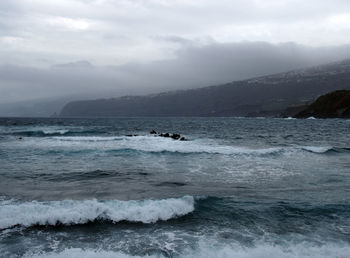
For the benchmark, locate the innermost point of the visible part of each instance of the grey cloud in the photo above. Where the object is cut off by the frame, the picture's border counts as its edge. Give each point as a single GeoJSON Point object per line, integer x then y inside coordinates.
{"type": "Point", "coordinates": [219, 63]}
{"type": "Point", "coordinates": [85, 65]}
{"type": "Point", "coordinates": [194, 66]}
{"type": "Point", "coordinates": [173, 39]}
{"type": "Point", "coordinates": [117, 32]}
{"type": "Point", "coordinates": [139, 47]}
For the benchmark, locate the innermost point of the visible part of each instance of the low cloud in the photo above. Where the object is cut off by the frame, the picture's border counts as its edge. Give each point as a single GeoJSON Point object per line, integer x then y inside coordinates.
{"type": "Point", "coordinates": [192, 66]}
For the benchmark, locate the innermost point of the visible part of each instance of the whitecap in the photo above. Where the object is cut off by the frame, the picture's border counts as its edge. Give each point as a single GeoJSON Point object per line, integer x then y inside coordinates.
{"type": "Point", "coordinates": [70, 212]}
{"type": "Point", "coordinates": [160, 144]}
{"type": "Point", "coordinates": [317, 149]}
{"type": "Point", "coordinates": [52, 131]}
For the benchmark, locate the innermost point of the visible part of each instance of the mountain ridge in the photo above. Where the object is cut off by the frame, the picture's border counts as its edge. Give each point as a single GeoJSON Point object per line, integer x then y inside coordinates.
{"type": "Point", "coordinates": [261, 96]}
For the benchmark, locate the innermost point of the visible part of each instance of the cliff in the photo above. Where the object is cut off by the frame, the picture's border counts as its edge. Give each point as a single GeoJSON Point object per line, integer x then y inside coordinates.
{"type": "Point", "coordinates": [332, 105]}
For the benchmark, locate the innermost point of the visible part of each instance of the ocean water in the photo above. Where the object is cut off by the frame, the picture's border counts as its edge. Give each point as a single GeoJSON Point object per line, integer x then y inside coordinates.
{"type": "Point", "coordinates": [239, 187]}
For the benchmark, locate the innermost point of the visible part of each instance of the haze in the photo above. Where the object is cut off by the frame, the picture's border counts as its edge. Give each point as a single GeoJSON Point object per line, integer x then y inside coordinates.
{"type": "Point", "coordinates": [55, 51]}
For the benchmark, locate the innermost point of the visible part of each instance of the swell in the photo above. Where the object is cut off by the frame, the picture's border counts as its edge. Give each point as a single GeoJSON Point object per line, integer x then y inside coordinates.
{"type": "Point", "coordinates": [190, 150]}
{"type": "Point", "coordinates": [149, 144]}
{"type": "Point", "coordinates": [158, 145]}
{"type": "Point", "coordinates": [229, 150]}
{"type": "Point", "coordinates": [325, 150]}
{"type": "Point", "coordinates": [290, 215]}
{"type": "Point", "coordinates": [50, 133]}
{"type": "Point", "coordinates": [80, 175]}
{"type": "Point", "coordinates": [73, 212]}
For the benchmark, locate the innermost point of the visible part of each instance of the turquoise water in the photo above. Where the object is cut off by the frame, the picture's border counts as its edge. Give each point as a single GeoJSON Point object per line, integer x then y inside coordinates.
{"type": "Point", "coordinates": [239, 187]}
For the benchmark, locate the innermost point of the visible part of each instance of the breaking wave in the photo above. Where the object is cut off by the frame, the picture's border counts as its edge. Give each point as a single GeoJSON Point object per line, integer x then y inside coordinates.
{"type": "Point", "coordinates": [159, 145]}
{"type": "Point", "coordinates": [316, 149]}
{"type": "Point", "coordinates": [72, 212]}
{"type": "Point", "coordinates": [163, 145]}
{"type": "Point", "coordinates": [152, 144]}
{"type": "Point", "coordinates": [53, 132]}
{"type": "Point", "coordinates": [321, 149]}
{"type": "Point", "coordinates": [40, 133]}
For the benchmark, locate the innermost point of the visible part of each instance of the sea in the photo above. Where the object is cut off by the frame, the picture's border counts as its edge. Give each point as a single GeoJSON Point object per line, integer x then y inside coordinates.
{"type": "Point", "coordinates": [238, 187]}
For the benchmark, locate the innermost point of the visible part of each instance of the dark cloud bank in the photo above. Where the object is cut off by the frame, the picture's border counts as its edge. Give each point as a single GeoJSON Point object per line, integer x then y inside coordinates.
{"type": "Point", "coordinates": [40, 92]}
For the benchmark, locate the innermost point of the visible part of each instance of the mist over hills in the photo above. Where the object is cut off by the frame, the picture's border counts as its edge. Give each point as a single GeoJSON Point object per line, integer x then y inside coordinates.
{"type": "Point", "coordinates": [261, 96]}
{"type": "Point", "coordinates": [43, 90]}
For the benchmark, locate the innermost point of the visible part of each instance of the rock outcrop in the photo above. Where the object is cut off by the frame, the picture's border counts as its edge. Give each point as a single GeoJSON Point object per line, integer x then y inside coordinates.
{"type": "Point", "coordinates": [332, 105]}
{"type": "Point", "coordinates": [174, 136]}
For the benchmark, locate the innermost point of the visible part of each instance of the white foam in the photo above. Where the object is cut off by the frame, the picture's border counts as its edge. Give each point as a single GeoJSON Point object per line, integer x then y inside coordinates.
{"type": "Point", "coordinates": [52, 131]}
{"type": "Point", "coordinates": [87, 138]}
{"type": "Point", "coordinates": [214, 249]}
{"type": "Point", "coordinates": [317, 149]}
{"type": "Point", "coordinates": [289, 250]}
{"type": "Point", "coordinates": [155, 144]}
{"type": "Point", "coordinates": [78, 253]}
{"type": "Point", "coordinates": [40, 129]}
{"type": "Point", "coordinates": [159, 144]}
{"type": "Point", "coordinates": [71, 212]}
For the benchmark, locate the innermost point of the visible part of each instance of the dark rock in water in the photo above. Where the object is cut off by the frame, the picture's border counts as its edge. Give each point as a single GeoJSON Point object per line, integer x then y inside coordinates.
{"type": "Point", "coordinates": [332, 105]}
{"type": "Point", "coordinates": [176, 136]}
{"type": "Point", "coordinates": [171, 184]}
{"type": "Point", "coordinates": [20, 138]}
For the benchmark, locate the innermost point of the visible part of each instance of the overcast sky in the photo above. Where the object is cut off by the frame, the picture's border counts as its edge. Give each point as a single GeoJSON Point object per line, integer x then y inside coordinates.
{"type": "Point", "coordinates": [110, 47]}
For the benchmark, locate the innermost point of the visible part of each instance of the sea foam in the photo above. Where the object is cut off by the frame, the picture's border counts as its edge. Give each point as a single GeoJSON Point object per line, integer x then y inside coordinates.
{"type": "Point", "coordinates": [317, 149]}
{"type": "Point", "coordinates": [159, 144]}
{"type": "Point", "coordinates": [70, 212]}
{"type": "Point", "coordinates": [153, 144]}
{"type": "Point", "coordinates": [217, 250]}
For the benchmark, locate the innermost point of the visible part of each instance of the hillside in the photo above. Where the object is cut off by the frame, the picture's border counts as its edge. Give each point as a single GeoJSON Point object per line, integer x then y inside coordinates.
{"type": "Point", "coordinates": [332, 105]}
{"type": "Point", "coordinates": [263, 96]}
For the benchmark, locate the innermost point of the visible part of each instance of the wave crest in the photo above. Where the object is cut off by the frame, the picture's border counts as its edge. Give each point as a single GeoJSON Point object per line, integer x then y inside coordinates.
{"type": "Point", "coordinates": [163, 145]}
{"type": "Point", "coordinates": [41, 133]}
{"type": "Point", "coordinates": [151, 144]}
{"type": "Point", "coordinates": [315, 149]}
{"type": "Point", "coordinates": [71, 212]}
